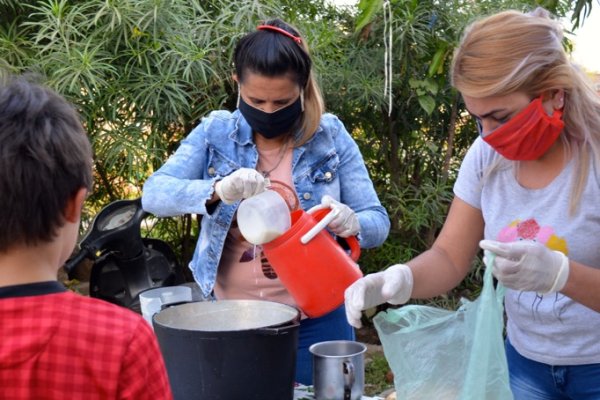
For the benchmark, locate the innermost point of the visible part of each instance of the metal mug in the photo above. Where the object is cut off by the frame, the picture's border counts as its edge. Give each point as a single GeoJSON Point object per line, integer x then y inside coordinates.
{"type": "Point", "coordinates": [338, 370]}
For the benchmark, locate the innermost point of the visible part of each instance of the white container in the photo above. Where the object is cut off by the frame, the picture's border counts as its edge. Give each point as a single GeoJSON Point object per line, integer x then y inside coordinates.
{"type": "Point", "coordinates": [263, 217]}
{"type": "Point", "coordinates": [152, 300]}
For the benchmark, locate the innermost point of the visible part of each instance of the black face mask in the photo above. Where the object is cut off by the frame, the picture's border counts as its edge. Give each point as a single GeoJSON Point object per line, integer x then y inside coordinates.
{"type": "Point", "coordinates": [271, 125]}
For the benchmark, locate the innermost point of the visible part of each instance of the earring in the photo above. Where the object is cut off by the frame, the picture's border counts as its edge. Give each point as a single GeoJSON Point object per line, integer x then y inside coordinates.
{"type": "Point", "coordinates": [237, 104]}
{"type": "Point", "coordinates": [302, 99]}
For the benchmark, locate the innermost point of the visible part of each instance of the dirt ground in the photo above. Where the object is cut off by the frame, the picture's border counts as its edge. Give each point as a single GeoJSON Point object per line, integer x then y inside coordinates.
{"type": "Point", "coordinates": [368, 335]}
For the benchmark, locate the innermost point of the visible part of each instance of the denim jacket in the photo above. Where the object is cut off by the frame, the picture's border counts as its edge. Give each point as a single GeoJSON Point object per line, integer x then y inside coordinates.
{"type": "Point", "coordinates": [329, 163]}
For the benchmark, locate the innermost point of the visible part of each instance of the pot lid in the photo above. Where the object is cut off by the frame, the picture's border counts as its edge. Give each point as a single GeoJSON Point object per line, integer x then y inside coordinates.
{"type": "Point", "coordinates": [226, 315]}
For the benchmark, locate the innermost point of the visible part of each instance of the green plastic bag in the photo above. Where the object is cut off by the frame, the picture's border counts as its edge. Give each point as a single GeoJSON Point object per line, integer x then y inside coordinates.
{"type": "Point", "coordinates": [442, 354]}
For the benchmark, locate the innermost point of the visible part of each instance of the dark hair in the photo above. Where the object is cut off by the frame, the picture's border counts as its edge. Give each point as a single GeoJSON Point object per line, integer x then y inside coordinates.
{"type": "Point", "coordinates": [270, 53]}
{"type": "Point", "coordinates": [45, 158]}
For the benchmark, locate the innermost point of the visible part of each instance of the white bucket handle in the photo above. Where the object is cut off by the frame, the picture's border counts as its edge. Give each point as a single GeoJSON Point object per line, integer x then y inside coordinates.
{"type": "Point", "coordinates": [319, 226]}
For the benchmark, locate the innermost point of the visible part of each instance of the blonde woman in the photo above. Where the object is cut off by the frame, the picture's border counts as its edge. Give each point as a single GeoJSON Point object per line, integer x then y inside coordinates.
{"type": "Point", "coordinates": [529, 186]}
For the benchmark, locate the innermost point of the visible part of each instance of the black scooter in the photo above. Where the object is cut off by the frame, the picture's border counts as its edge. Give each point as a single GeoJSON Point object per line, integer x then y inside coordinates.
{"type": "Point", "coordinates": [123, 263]}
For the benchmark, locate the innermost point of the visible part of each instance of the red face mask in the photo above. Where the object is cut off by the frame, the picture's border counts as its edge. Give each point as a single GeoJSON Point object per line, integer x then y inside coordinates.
{"type": "Point", "coordinates": [527, 135]}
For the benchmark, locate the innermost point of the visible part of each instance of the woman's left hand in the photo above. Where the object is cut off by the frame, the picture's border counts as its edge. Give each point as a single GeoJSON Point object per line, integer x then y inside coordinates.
{"type": "Point", "coordinates": [526, 265]}
{"type": "Point", "coordinates": [345, 224]}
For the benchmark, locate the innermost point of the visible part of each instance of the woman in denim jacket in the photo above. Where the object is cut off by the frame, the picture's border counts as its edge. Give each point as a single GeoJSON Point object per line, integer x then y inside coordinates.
{"type": "Point", "coordinates": [280, 132]}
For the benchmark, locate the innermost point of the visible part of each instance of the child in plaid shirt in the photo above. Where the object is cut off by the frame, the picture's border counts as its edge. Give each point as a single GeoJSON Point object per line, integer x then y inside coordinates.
{"type": "Point", "coordinates": [55, 344]}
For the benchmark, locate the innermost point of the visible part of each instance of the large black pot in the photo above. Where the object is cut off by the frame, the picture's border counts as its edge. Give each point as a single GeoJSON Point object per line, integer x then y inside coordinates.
{"type": "Point", "coordinates": [229, 349]}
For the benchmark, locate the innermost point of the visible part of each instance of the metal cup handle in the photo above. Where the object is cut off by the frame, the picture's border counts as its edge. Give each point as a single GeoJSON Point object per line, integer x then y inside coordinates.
{"type": "Point", "coordinates": [349, 378]}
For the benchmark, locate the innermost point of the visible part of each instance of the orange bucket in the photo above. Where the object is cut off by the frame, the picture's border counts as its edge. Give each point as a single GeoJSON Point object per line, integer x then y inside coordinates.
{"type": "Point", "coordinates": [313, 267]}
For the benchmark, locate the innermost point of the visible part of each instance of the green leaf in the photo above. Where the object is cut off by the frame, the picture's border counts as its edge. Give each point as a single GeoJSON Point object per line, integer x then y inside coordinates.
{"type": "Point", "coordinates": [427, 103]}
{"type": "Point", "coordinates": [367, 10]}
{"type": "Point", "coordinates": [430, 85]}
{"type": "Point", "coordinates": [582, 10]}
{"type": "Point", "coordinates": [437, 62]}
{"type": "Point", "coordinates": [423, 86]}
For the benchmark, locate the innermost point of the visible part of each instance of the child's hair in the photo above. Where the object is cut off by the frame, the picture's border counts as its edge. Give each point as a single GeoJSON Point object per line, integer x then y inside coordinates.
{"type": "Point", "coordinates": [45, 158]}
{"type": "Point", "coordinates": [271, 53]}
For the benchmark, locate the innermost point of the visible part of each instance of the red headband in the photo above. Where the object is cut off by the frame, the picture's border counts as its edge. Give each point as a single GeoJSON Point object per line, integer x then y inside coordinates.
{"type": "Point", "coordinates": [296, 39]}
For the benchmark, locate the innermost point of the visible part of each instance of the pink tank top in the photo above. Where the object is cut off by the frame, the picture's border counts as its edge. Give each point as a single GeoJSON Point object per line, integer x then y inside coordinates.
{"type": "Point", "coordinates": [244, 272]}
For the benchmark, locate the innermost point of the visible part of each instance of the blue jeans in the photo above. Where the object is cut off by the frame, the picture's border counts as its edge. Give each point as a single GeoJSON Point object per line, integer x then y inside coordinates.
{"type": "Point", "coordinates": [531, 380]}
{"type": "Point", "coordinates": [332, 326]}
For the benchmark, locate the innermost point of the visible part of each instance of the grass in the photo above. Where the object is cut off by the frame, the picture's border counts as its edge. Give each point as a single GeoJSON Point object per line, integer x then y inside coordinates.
{"type": "Point", "coordinates": [378, 376]}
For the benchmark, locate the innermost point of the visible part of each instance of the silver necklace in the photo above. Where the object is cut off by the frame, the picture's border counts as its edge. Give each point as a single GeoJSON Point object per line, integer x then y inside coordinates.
{"type": "Point", "coordinates": [283, 150]}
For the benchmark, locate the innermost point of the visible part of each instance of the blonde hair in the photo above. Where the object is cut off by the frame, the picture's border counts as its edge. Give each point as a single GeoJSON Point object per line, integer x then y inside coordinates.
{"type": "Point", "coordinates": [314, 107]}
{"type": "Point", "coordinates": [523, 52]}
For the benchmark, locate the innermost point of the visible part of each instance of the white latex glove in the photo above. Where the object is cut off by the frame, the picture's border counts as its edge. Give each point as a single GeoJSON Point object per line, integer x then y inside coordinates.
{"type": "Point", "coordinates": [241, 184]}
{"type": "Point", "coordinates": [345, 224]}
{"type": "Point", "coordinates": [528, 266]}
{"type": "Point", "coordinates": [393, 285]}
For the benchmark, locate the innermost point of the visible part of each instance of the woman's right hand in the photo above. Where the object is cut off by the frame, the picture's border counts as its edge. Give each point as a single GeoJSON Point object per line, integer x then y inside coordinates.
{"type": "Point", "coordinates": [241, 184]}
{"type": "Point", "coordinates": [393, 285]}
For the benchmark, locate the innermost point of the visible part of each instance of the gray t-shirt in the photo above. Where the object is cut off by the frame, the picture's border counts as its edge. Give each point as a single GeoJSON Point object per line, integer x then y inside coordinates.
{"type": "Point", "coordinates": [552, 328]}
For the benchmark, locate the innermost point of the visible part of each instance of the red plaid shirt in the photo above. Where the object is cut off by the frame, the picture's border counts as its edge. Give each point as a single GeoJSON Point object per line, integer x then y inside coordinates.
{"type": "Point", "coordinates": [55, 344]}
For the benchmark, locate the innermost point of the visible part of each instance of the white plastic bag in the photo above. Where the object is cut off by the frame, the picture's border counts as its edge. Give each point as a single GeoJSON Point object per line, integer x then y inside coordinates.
{"type": "Point", "coordinates": [442, 354]}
